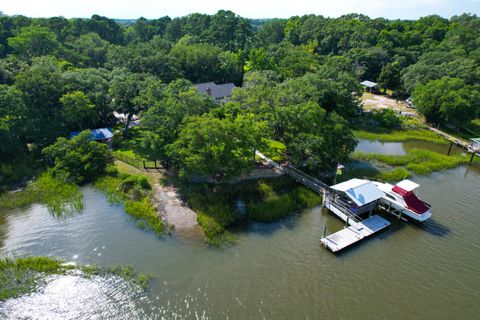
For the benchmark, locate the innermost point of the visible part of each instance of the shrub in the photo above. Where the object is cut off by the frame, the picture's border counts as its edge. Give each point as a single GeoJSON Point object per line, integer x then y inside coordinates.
{"type": "Point", "coordinates": [78, 160]}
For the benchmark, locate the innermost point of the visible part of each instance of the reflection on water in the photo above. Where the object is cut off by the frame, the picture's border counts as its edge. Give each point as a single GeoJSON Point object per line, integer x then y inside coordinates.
{"type": "Point", "coordinates": [274, 271]}
{"type": "Point", "coordinates": [401, 148]}
{"type": "Point", "coordinates": [76, 297]}
{"type": "Point", "coordinates": [394, 148]}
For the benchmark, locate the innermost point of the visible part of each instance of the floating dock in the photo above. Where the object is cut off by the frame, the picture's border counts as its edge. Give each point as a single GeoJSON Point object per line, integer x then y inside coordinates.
{"type": "Point", "coordinates": [354, 233]}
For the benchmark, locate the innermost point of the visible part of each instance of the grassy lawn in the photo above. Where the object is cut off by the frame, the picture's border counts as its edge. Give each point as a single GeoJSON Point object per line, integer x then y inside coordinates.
{"type": "Point", "coordinates": [133, 148]}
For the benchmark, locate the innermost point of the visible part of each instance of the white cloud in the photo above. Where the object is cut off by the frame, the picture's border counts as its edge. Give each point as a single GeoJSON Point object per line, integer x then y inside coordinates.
{"type": "Point", "coordinates": [246, 8]}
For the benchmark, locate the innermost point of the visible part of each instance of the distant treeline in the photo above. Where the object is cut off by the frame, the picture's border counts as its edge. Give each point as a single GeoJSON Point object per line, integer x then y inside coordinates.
{"type": "Point", "coordinates": [59, 75]}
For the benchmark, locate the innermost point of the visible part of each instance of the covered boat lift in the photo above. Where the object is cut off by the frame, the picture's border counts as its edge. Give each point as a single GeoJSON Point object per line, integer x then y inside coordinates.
{"type": "Point", "coordinates": [348, 200]}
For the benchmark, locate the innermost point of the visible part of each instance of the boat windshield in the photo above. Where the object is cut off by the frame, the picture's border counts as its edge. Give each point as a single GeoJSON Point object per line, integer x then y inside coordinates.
{"type": "Point", "coordinates": [413, 203]}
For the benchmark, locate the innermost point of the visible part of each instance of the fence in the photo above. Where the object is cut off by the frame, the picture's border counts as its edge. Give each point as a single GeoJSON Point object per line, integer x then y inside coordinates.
{"type": "Point", "coordinates": [137, 163]}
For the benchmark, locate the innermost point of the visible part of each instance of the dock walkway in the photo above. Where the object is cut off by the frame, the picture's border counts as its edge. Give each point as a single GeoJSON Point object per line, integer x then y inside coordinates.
{"type": "Point", "coordinates": [357, 229]}
{"type": "Point", "coordinates": [457, 141]}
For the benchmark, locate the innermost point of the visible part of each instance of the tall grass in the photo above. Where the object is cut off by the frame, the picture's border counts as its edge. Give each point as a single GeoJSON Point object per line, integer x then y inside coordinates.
{"type": "Point", "coordinates": [59, 197]}
{"type": "Point", "coordinates": [266, 200]}
{"type": "Point", "coordinates": [135, 192]}
{"type": "Point", "coordinates": [417, 160]}
{"type": "Point", "coordinates": [401, 135]}
{"type": "Point", "coordinates": [19, 276]}
{"type": "Point", "coordinates": [274, 205]}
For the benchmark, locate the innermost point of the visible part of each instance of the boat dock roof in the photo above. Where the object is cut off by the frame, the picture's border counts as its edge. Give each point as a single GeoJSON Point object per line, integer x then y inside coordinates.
{"type": "Point", "coordinates": [361, 191]}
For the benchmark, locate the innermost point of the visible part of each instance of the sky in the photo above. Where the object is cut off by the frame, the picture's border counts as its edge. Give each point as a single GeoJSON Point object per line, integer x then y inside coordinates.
{"type": "Point", "coordinates": [124, 9]}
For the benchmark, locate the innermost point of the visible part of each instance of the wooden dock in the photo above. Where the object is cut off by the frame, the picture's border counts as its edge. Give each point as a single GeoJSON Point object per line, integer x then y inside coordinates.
{"type": "Point", "coordinates": [356, 230]}
{"type": "Point", "coordinates": [354, 233]}
{"type": "Point", "coordinates": [459, 142]}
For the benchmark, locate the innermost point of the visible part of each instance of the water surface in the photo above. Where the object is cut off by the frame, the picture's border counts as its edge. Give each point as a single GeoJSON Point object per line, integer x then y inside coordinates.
{"type": "Point", "coordinates": [274, 271]}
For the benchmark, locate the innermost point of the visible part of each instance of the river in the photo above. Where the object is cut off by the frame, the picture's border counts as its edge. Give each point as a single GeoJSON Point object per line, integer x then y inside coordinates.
{"type": "Point", "coordinates": [273, 271]}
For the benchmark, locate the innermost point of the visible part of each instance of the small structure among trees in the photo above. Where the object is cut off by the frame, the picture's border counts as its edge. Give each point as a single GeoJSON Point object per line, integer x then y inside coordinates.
{"type": "Point", "coordinates": [217, 91]}
{"type": "Point", "coordinates": [100, 135]}
{"type": "Point", "coordinates": [369, 85]}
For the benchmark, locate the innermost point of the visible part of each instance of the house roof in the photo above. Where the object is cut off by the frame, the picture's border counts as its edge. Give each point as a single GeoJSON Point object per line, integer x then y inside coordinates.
{"type": "Point", "coordinates": [96, 134]}
{"type": "Point", "coordinates": [369, 84]}
{"type": "Point", "coordinates": [361, 191]}
{"type": "Point", "coordinates": [408, 185]}
{"type": "Point", "coordinates": [217, 90]}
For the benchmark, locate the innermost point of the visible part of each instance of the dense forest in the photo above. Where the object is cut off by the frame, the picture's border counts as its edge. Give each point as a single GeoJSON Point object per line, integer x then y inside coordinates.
{"type": "Point", "coordinates": [298, 78]}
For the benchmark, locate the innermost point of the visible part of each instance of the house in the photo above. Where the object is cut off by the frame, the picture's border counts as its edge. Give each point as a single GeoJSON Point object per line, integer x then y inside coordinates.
{"type": "Point", "coordinates": [217, 91]}
{"type": "Point", "coordinates": [100, 135]}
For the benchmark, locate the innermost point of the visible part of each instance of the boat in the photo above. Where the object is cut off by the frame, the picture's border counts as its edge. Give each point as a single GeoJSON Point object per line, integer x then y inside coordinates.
{"type": "Point", "coordinates": [401, 197]}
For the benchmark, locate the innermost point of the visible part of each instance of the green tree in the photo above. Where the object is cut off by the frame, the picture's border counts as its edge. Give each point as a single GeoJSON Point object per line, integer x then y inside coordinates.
{"type": "Point", "coordinates": [77, 160]}
{"type": "Point", "coordinates": [42, 86]}
{"type": "Point", "coordinates": [168, 105]}
{"type": "Point", "coordinates": [78, 111]}
{"type": "Point", "coordinates": [447, 100]}
{"type": "Point", "coordinates": [92, 49]}
{"type": "Point", "coordinates": [13, 116]}
{"type": "Point", "coordinates": [124, 88]}
{"type": "Point", "coordinates": [216, 148]}
{"type": "Point", "coordinates": [389, 77]}
{"type": "Point", "coordinates": [34, 41]}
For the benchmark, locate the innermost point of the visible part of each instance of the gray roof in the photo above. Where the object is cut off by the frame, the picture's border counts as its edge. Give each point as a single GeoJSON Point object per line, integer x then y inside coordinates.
{"type": "Point", "coordinates": [361, 191]}
{"type": "Point", "coordinates": [369, 84]}
{"type": "Point", "coordinates": [218, 91]}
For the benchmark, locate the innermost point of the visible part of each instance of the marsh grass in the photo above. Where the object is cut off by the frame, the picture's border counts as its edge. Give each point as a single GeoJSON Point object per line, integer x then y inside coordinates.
{"type": "Point", "coordinates": [20, 276]}
{"type": "Point", "coordinates": [60, 198]}
{"type": "Point", "coordinates": [417, 160]}
{"type": "Point", "coordinates": [266, 200]}
{"type": "Point", "coordinates": [401, 135]}
{"type": "Point", "coordinates": [135, 192]}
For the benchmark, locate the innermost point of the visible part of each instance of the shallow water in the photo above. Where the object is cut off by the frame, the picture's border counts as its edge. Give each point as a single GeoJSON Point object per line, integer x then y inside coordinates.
{"type": "Point", "coordinates": [274, 271]}
{"type": "Point", "coordinates": [401, 148]}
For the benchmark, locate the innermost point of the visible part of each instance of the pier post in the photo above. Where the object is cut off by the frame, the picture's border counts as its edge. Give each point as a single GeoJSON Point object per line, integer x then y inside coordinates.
{"type": "Point", "coordinates": [471, 159]}
{"type": "Point", "coordinates": [450, 149]}
{"type": "Point", "coordinates": [325, 231]}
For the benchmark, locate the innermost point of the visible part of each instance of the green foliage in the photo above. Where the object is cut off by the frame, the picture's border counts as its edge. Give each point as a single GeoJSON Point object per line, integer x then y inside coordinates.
{"type": "Point", "coordinates": [23, 275]}
{"type": "Point", "coordinates": [78, 111]}
{"type": "Point", "coordinates": [417, 160]}
{"type": "Point", "coordinates": [78, 160]}
{"type": "Point", "coordinates": [266, 201]}
{"type": "Point", "coordinates": [34, 41]}
{"type": "Point", "coordinates": [273, 205]}
{"type": "Point", "coordinates": [143, 210]}
{"type": "Point", "coordinates": [273, 149]}
{"type": "Point", "coordinates": [216, 148]}
{"type": "Point", "coordinates": [360, 170]}
{"type": "Point", "coordinates": [401, 135]}
{"type": "Point", "coordinates": [448, 100]}
{"type": "Point", "coordinates": [19, 276]}
{"type": "Point", "coordinates": [135, 192]}
{"type": "Point", "coordinates": [59, 197]}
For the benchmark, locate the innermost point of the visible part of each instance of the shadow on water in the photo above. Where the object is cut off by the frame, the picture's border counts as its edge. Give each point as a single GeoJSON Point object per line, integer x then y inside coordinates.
{"type": "Point", "coordinates": [382, 235]}
{"type": "Point", "coordinates": [433, 227]}
{"type": "Point", "coordinates": [246, 226]}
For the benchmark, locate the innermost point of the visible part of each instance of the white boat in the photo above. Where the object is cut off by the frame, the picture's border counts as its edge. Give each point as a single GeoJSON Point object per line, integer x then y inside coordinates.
{"type": "Point", "coordinates": [402, 197]}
